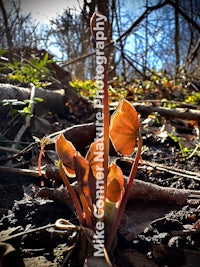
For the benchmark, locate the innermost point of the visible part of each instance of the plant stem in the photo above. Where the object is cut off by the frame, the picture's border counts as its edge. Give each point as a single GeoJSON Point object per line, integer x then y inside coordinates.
{"type": "Point", "coordinates": [105, 132]}
{"type": "Point", "coordinates": [40, 160]}
{"type": "Point", "coordinates": [72, 194]}
{"type": "Point", "coordinates": [40, 163]}
{"type": "Point", "coordinates": [88, 212]}
{"type": "Point", "coordinates": [120, 211]}
{"type": "Point", "coordinates": [93, 27]}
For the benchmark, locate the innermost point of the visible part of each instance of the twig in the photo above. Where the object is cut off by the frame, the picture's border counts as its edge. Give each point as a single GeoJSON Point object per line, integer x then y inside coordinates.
{"type": "Point", "coordinates": [173, 170]}
{"type": "Point", "coordinates": [27, 119]}
{"type": "Point", "coordinates": [169, 169]}
{"type": "Point", "coordinates": [11, 150]}
{"type": "Point", "coordinates": [185, 232]}
{"type": "Point", "coordinates": [31, 173]}
{"type": "Point", "coordinates": [5, 239]}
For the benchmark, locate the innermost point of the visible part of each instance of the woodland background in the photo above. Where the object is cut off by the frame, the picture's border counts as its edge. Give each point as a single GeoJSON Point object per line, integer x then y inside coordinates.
{"type": "Point", "coordinates": [47, 84]}
{"type": "Point", "coordinates": [145, 39]}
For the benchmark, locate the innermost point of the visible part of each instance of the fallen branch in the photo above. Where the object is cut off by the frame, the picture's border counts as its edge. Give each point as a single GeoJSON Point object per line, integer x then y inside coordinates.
{"type": "Point", "coordinates": [173, 170]}
{"type": "Point", "coordinates": [170, 169]}
{"type": "Point", "coordinates": [182, 113]}
{"type": "Point", "coordinates": [148, 191]}
{"type": "Point", "coordinates": [51, 98]}
{"type": "Point", "coordinates": [31, 173]}
{"type": "Point", "coordinates": [185, 232]}
{"type": "Point", "coordinates": [62, 101]}
{"type": "Point", "coordinates": [140, 189]}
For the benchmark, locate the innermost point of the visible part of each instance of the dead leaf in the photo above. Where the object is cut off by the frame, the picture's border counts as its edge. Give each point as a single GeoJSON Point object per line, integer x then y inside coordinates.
{"type": "Point", "coordinates": [139, 214]}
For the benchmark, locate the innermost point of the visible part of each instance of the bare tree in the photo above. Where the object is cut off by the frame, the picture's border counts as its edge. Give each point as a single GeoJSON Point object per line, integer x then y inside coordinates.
{"type": "Point", "coordinates": [176, 40]}
{"type": "Point", "coordinates": [7, 30]}
{"type": "Point", "coordinates": [143, 36]}
{"type": "Point", "coordinates": [69, 34]}
{"type": "Point", "coordinates": [160, 37]}
{"type": "Point", "coordinates": [17, 30]}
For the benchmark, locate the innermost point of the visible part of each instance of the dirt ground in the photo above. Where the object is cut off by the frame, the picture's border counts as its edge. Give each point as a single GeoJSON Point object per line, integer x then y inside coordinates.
{"type": "Point", "coordinates": [152, 232]}
{"type": "Point", "coordinates": [160, 227]}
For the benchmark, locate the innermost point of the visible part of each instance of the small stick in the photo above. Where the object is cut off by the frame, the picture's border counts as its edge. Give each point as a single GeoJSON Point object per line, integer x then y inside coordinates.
{"type": "Point", "coordinates": [11, 237]}
{"type": "Point", "coordinates": [27, 119]}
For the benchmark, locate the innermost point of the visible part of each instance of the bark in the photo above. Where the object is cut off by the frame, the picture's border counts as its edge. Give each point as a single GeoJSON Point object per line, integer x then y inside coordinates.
{"type": "Point", "coordinates": [148, 191]}
{"type": "Point", "coordinates": [62, 101]}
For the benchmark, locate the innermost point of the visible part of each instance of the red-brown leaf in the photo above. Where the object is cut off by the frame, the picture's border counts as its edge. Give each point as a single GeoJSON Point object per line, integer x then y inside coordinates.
{"type": "Point", "coordinates": [66, 152]}
{"type": "Point", "coordinates": [95, 157]}
{"type": "Point", "coordinates": [82, 172]}
{"type": "Point", "coordinates": [115, 186]}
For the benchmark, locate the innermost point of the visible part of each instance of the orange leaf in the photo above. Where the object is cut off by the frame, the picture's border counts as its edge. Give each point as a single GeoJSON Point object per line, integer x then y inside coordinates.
{"type": "Point", "coordinates": [95, 157]}
{"type": "Point", "coordinates": [124, 128]}
{"type": "Point", "coordinates": [82, 172]}
{"type": "Point", "coordinates": [115, 186]}
{"type": "Point", "coordinates": [66, 152]}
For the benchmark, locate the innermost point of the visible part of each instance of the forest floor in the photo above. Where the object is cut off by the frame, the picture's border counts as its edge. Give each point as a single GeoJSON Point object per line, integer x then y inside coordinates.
{"type": "Point", "coordinates": [152, 233]}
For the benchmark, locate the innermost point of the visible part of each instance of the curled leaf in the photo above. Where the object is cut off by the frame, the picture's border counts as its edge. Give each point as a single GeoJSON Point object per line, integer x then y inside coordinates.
{"type": "Point", "coordinates": [115, 187]}
{"type": "Point", "coordinates": [95, 157]}
{"type": "Point", "coordinates": [124, 128]}
{"type": "Point", "coordinates": [66, 152]}
{"type": "Point", "coordinates": [82, 172]}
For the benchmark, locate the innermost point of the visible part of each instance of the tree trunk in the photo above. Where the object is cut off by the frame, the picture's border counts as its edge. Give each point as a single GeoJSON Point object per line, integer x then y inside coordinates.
{"type": "Point", "coordinates": [7, 31]}
{"type": "Point", "coordinates": [176, 41]}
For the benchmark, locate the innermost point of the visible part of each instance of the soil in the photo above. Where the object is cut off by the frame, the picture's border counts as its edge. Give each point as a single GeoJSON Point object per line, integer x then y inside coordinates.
{"type": "Point", "coordinates": [152, 233]}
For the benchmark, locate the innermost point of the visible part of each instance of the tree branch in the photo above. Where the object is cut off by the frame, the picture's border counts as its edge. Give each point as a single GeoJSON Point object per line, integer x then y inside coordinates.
{"type": "Point", "coordinates": [183, 14]}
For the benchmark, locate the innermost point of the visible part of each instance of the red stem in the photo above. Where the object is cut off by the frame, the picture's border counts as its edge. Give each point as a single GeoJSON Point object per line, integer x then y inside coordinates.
{"type": "Point", "coordinates": [72, 194]}
{"type": "Point", "coordinates": [105, 133]}
{"type": "Point", "coordinates": [121, 208]}
{"type": "Point", "coordinates": [88, 213]}
{"type": "Point", "coordinates": [40, 160]}
{"type": "Point", "coordinates": [93, 26]}
{"type": "Point", "coordinates": [40, 164]}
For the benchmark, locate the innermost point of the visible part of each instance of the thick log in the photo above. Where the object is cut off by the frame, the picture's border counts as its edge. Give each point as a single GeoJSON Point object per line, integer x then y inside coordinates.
{"type": "Point", "coordinates": [52, 99]}
{"type": "Point", "coordinates": [62, 101]}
